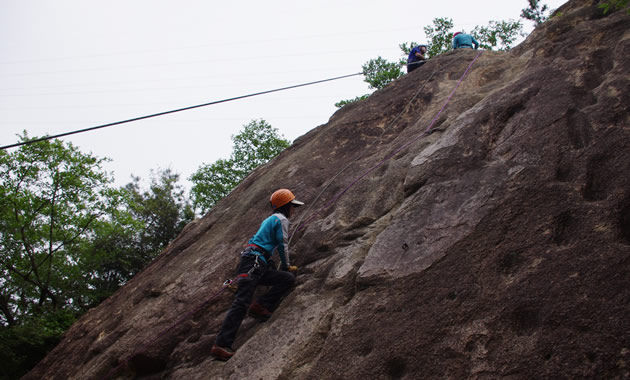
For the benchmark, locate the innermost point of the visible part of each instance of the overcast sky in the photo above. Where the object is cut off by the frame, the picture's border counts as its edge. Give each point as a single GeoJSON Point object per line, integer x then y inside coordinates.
{"type": "Point", "coordinates": [72, 64]}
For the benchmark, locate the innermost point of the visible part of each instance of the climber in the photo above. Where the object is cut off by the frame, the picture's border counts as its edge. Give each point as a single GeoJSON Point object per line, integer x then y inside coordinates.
{"type": "Point", "coordinates": [463, 40]}
{"type": "Point", "coordinates": [257, 268]}
{"type": "Point", "coordinates": [416, 58]}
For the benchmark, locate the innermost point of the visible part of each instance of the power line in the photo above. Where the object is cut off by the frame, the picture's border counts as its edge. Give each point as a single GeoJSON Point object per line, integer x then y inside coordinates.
{"type": "Point", "coordinates": [172, 111]}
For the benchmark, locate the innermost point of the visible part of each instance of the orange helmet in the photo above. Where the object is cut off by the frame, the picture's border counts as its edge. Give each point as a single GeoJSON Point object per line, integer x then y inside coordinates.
{"type": "Point", "coordinates": [281, 197]}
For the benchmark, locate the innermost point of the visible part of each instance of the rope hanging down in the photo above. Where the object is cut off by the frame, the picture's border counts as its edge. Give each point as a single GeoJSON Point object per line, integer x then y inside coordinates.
{"type": "Point", "coordinates": [173, 111]}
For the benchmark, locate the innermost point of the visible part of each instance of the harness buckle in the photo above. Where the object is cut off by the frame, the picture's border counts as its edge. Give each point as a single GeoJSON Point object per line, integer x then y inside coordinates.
{"type": "Point", "coordinates": [230, 285]}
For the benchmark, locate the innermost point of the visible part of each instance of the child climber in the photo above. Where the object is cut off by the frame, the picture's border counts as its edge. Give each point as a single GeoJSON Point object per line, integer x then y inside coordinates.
{"type": "Point", "coordinates": [256, 268]}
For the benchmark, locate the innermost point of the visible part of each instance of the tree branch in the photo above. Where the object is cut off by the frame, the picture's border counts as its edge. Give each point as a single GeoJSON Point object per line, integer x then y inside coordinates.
{"type": "Point", "coordinates": [87, 225]}
{"type": "Point", "coordinates": [52, 222]}
{"type": "Point", "coordinates": [6, 309]}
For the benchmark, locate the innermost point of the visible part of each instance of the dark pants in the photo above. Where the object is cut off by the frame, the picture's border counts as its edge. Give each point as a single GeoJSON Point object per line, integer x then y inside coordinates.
{"type": "Point", "coordinates": [280, 282]}
{"type": "Point", "coordinates": [414, 65]}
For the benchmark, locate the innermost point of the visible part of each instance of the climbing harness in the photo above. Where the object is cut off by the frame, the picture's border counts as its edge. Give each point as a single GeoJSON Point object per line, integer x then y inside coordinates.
{"type": "Point", "coordinates": [232, 283]}
{"type": "Point", "coordinates": [256, 263]}
{"type": "Point", "coordinates": [254, 250]}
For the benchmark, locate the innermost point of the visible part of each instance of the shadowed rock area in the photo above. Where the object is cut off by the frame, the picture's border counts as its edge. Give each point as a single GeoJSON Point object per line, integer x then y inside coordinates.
{"type": "Point", "coordinates": [497, 244]}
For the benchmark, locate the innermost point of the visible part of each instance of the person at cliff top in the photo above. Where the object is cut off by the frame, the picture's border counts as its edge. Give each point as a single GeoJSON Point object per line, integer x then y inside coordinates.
{"type": "Point", "coordinates": [463, 40]}
{"type": "Point", "coordinates": [257, 268]}
{"type": "Point", "coordinates": [416, 58]}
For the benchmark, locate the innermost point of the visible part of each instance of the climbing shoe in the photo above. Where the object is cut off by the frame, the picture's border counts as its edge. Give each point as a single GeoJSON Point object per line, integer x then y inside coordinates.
{"type": "Point", "coordinates": [259, 312]}
{"type": "Point", "coordinates": [221, 353]}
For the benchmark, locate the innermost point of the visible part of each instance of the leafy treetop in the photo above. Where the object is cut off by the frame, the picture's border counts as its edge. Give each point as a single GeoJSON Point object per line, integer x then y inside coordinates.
{"type": "Point", "coordinates": [256, 144]}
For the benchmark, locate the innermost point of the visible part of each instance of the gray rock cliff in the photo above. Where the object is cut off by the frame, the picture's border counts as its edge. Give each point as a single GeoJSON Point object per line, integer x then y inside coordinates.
{"type": "Point", "coordinates": [492, 242]}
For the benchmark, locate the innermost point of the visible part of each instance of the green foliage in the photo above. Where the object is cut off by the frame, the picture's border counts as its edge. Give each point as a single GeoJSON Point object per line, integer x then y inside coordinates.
{"type": "Point", "coordinates": [68, 240]}
{"type": "Point", "coordinates": [342, 103]}
{"type": "Point", "coordinates": [439, 36]}
{"type": "Point", "coordinates": [51, 196]}
{"type": "Point", "coordinates": [213, 183]}
{"type": "Point", "coordinates": [256, 144]}
{"type": "Point", "coordinates": [501, 34]}
{"type": "Point", "coordinates": [24, 345]}
{"type": "Point", "coordinates": [535, 12]}
{"type": "Point", "coordinates": [379, 72]}
{"type": "Point", "coordinates": [607, 6]}
{"type": "Point", "coordinates": [113, 256]}
{"type": "Point", "coordinates": [163, 211]}
{"type": "Point", "coordinates": [135, 232]}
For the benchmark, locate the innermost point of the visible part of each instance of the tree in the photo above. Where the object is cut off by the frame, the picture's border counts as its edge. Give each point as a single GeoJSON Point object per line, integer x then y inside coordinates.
{"type": "Point", "coordinates": [498, 34]}
{"type": "Point", "coordinates": [163, 211]}
{"type": "Point", "coordinates": [439, 36]}
{"type": "Point", "coordinates": [256, 144]}
{"type": "Point", "coordinates": [379, 72]}
{"type": "Point", "coordinates": [535, 12]}
{"type": "Point", "coordinates": [135, 232]}
{"type": "Point", "coordinates": [51, 195]}
{"type": "Point", "coordinates": [113, 256]}
{"type": "Point", "coordinates": [68, 239]}
{"type": "Point", "coordinates": [345, 102]}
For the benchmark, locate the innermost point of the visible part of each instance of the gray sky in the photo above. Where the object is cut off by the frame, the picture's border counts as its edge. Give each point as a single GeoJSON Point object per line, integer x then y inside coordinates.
{"type": "Point", "coordinates": [72, 64]}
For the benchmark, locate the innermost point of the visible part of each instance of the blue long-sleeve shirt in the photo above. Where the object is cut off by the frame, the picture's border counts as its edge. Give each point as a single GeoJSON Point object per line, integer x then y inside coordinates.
{"type": "Point", "coordinates": [412, 55]}
{"type": "Point", "coordinates": [463, 40]}
{"type": "Point", "coordinates": [274, 234]}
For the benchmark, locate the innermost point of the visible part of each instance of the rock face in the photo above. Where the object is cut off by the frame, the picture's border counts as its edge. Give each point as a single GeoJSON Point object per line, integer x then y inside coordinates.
{"type": "Point", "coordinates": [492, 240]}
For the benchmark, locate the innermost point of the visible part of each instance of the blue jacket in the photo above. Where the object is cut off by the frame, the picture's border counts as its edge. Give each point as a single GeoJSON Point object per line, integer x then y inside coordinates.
{"type": "Point", "coordinates": [463, 40]}
{"type": "Point", "coordinates": [412, 54]}
{"type": "Point", "coordinates": [274, 233]}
